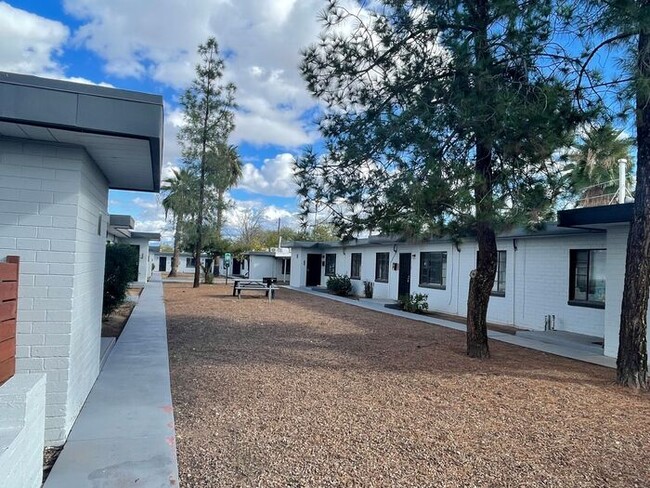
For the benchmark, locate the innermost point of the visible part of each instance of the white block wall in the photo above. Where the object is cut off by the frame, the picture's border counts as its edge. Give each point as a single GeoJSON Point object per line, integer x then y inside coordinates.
{"type": "Point", "coordinates": [144, 265]}
{"type": "Point", "coordinates": [53, 202]}
{"type": "Point", "coordinates": [22, 417]}
{"type": "Point", "coordinates": [182, 268]}
{"type": "Point", "coordinates": [537, 279]}
{"type": "Point", "coordinates": [261, 267]}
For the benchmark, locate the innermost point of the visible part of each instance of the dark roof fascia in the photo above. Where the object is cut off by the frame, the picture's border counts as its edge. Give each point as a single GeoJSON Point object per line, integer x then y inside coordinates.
{"type": "Point", "coordinates": [74, 107]}
{"type": "Point", "coordinates": [549, 230]}
{"type": "Point", "coordinates": [604, 214]}
{"type": "Point", "coordinates": [152, 236]}
{"type": "Point", "coordinates": [121, 221]}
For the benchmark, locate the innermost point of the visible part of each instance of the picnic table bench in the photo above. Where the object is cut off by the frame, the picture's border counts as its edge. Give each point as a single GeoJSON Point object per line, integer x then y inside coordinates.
{"type": "Point", "coordinates": [265, 284]}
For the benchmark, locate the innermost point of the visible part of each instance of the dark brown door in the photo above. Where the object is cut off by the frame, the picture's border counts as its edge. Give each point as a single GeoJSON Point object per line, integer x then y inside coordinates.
{"type": "Point", "coordinates": [162, 263]}
{"type": "Point", "coordinates": [313, 269]}
{"type": "Point", "coordinates": [404, 284]}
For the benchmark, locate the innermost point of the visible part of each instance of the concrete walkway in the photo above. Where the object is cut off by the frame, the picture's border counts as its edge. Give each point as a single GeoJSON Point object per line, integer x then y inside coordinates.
{"type": "Point", "coordinates": [565, 349]}
{"type": "Point", "coordinates": [124, 435]}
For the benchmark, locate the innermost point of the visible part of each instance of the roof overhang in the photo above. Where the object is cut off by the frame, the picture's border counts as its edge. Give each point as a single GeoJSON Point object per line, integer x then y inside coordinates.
{"type": "Point", "coordinates": [151, 236]}
{"type": "Point", "coordinates": [596, 217]}
{"type": "Point", "coordinates": [121, 130]}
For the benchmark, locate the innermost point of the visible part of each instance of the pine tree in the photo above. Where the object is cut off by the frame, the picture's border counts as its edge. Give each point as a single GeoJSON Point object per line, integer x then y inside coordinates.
{"type": "Point", "coordinates": [625, 25]}
{"type": "Point", "coordinates": [208, 115]}
{"type": "Point", "coordinates": [439, 117]}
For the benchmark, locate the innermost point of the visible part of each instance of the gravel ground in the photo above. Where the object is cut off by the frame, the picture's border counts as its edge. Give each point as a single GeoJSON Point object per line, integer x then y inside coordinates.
{"type": "Point", "coordinates": [308, 392]}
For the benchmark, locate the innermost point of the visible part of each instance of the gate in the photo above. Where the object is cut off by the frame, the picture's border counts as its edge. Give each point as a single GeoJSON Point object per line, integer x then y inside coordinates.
{"type": "Point", "coordinates": [8, 306]}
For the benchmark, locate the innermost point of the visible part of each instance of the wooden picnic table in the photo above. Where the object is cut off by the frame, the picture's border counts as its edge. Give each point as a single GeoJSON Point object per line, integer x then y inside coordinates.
{"type": "Point", "coordinates": [266, 284]}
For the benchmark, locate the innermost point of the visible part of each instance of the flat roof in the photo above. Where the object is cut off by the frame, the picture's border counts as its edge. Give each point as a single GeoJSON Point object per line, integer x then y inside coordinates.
{"type": "Point", "coordinates": [550, 229]}
{"type": "Point", "coordinates": [121, 221]}
{"type": "Point", "coordinates": [596, 216]}
{"type": "Point", "coordinates": [152, 236]}
{"type": "Point", "coordinates": [121, 130]}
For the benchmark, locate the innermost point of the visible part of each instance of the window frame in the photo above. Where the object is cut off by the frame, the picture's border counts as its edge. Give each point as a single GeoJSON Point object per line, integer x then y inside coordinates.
{"type": "Point", "coordinates": [499, 292]}
{"type": "Point", "coordinates": [190, 262]}
{"type": "Point", "coordinates": [330, 256]}
{"type": "Point", "coordinates": [356, 276]}
{"type": "Point", "coordinates": [579, 302]}
{"type": "Point", "coordinates": [378, 277]}
{"type": "Point", "coordinates": [443, 271]}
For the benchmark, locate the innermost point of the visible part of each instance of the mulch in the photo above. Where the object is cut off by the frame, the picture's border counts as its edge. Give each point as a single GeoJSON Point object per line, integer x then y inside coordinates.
{"type": "Point", "coordinates": [308, 392]}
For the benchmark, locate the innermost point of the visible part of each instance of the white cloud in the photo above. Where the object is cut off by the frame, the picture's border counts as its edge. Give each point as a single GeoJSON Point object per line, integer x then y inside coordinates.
{"type": "Point", "coordinates": [273, 178]}
{"type": "Point", "coordinates": [29, 43]}
{"type": "Point", "coordinates": [150, 216]}
{"type": "Point", "coordinates": [270, 216]}
{"type": "Point", "coordinates": [262, 40]}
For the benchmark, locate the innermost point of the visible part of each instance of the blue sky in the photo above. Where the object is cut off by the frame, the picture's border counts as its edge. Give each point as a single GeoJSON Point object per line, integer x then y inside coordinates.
{"type": "Point", "coordinates": [150, 45]}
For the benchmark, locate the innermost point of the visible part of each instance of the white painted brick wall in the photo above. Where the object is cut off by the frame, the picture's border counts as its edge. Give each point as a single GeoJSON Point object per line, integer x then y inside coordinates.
{"type": "Point", "coordinates": [537, 279]}
{"type": "Point", "coordinates": [616, 251]}
{"type": "Point", "coordinates": [87, 292]}
{"type": "Point", "coordinates": [22, 416]}
{"type": "Point", "coordinates": [51, 197]}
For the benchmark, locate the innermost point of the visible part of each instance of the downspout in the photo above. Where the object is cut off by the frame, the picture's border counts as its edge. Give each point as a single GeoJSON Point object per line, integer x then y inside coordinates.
{"type": "Point", "coordinates": [458, 281]}
{"type": "Point", "coordinates": [514, 282]}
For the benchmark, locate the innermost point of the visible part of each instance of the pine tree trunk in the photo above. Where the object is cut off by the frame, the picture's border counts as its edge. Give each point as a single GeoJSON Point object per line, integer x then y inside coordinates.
{"type": "Point", "coordinates": [176, 258]}
{"type": "Point", "coordinates": [199, 230]}
{"type": "Point", "coordinates": [632, 362]}
{"type": "Point", "coordinates": [482, 280]}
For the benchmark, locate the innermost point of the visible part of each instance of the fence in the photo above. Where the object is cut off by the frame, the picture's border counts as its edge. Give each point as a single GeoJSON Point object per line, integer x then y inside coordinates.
{"type": "Point", "coordinates": [9, 272]}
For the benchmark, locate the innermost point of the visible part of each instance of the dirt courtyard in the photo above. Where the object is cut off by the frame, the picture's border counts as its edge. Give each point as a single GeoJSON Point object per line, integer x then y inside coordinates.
{"type": "Point", "coordinates": [308, 392]}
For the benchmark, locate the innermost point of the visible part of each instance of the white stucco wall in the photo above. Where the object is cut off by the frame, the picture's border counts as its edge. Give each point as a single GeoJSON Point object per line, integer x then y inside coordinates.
{"type": "Point", "coordinates": [53, 215]}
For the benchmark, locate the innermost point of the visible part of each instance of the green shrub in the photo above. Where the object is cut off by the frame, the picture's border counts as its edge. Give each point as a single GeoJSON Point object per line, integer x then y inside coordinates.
{"type": "Point", "coordinates": [121, 261]}
{"type": "Point", "coordinates": [416, 303]}
{"type": "Point", "coordinates": [340, 285]}
{"type": "Point", "coordinates": [368, 288]}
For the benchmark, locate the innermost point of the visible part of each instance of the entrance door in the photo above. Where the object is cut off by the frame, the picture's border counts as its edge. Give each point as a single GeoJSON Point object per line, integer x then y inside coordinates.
{"type": "Point", "coordinates": [162, 263]}
{"type": "Point", "coordinates": [236, 267]}
{"type": "Point", "coordinates": [313, 269]}
{"type": "Point", "coordinates": [404, 283]}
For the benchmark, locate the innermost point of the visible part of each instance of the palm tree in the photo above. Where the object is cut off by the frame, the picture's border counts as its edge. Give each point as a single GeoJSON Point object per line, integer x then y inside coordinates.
{"type": "Point", "coordinates": [594, 165]}
{"type": "Point", "coordinates": [225, 172]}
{"type": "Point", "coordinates": [179, 200]}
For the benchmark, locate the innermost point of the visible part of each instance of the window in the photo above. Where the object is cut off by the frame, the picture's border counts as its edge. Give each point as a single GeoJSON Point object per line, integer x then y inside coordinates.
{"type": "Point", "coordinates": [381, 267]}
{"type": "Point", "coordinates": [330, 264]}
{"type": "Point", "coordinates": [433, 269]}
{"type": "Point", "coordinates": [189, 262]}
{"type": "Point", "coordinates": [499, 288]}
{"type": "Point", "coordinates": [355, 268]}
{"type": "Point", "coordinates": [587, 277]}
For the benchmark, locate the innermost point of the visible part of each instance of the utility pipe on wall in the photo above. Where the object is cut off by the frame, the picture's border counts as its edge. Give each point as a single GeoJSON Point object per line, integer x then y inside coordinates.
{"type": "Point", "coordinates": [622, 169]}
